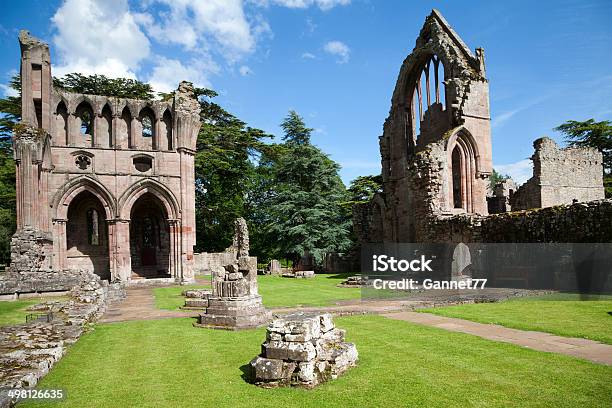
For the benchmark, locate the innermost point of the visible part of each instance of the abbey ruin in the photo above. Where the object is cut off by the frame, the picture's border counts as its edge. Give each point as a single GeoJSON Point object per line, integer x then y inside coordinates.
{"type": "Point", "coordinates": [436, 163]}
{"type": "Point", "coordinates": [104, 184]}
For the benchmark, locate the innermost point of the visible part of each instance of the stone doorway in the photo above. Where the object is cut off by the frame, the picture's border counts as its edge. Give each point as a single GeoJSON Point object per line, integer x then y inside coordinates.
{"type": "Point", "coordinates": [149, 239]}
{"type": "Point", "coordinates": [87, 235]}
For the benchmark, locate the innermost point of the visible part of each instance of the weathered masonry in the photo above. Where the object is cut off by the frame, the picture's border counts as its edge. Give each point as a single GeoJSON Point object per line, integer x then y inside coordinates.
{"type": "Point", "coordinates": [436, 162]}
{"type": "Point", "coordinates": [103, 184]}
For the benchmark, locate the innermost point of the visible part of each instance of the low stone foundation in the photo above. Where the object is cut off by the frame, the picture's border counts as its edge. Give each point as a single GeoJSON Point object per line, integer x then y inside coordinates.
{"type": "Point", "coordinates": [354, 281]}
{"type": "Point", "coordinates": [28, 351]}
{"type": "Point", "coordinates": [299, 274]}
{"type": "Point", "coordinates": [302, 349]}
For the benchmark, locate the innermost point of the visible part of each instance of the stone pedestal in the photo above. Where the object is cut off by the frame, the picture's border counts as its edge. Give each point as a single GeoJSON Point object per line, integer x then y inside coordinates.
{"type": "Point", "coordinates": [244, 312]}
{"type": "Point", "coordinates": [302, 349]}
{"type": "Point", "coordinates": [234, 302]}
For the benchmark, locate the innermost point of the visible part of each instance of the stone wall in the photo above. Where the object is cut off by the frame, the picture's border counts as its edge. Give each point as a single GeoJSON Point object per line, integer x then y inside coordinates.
{"type": "Point", "coordinates": [561, 176]}
{"type": "Point", "coordinates": [579, 222]}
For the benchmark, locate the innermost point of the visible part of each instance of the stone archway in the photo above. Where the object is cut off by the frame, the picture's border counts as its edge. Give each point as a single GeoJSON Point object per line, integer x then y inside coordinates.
{"type": "Point", "coordinates": [87, 238]}
{"type": "Point", "coordinates": [150, 238]}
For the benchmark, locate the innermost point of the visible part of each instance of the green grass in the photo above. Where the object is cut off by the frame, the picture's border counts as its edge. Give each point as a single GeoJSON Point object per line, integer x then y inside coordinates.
{"type": "Point", "coordinates": [168, 363]}
{"type": "Point", "coordinates": [170, 298]}
{"type": "Point", "coordinates": [277, 292]}
{"type": "Point", "coordinates": [560, 314]}
{"type": "Point", "coordinates": [321, 290]}
{"type": "Point", "coordinates": [14, 311]}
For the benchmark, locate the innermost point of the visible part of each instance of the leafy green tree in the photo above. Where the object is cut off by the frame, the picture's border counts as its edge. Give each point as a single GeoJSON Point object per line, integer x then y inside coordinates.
{"type": "Point", "coordinates": [363, 188]}
{"type": "Point", "coordinates": [305, 205]}
{"type": "Point", "coordinates": [102, 85]}
{"type": "Point", "coordinates": [496, 178]}
{"type": "Point", "coordinates": [592, 134]}
{"type": "Point", "coordinates": [225, 172]}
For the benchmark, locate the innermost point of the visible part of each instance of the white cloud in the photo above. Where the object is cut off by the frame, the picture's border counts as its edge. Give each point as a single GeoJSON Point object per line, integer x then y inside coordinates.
{"type": "Point", "coordinates": [338, 49]}
{"type": "Point", "coordinates": [98, 36]}
{"type": "Point", "coordinates": [8, 91]}
{"type": "Point", "coordinates": [244, 70]}
{"type": "Point", "coordinates": [520, 171]}
{"type": "Point", "coordinates": [203, 26]}
{"type": "Point", "coordinates": [167, 73]}
{"type": "Point", "coordinates": [308, 55]}
{"type": "Point", "coordinates": [502, 118]}
{"type": "Point", "coordinates": [302, 4]}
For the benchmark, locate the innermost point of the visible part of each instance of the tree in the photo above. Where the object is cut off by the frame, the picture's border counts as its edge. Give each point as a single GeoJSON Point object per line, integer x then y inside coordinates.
{"type": "Point", "coordinates": [363, 188]}
{"type": "Point", "coordinates": [592, 134]}
{"type": "Point", "coordinates": [296, 132]}
{"type": "Point", "coordinates": [102, 85]}
{"type": "Point", "coordinates": [305, 205]}
{"type": "Point", "coordinates": [496, 178]}
{"type": "Point", "coordinates": [225, 172]}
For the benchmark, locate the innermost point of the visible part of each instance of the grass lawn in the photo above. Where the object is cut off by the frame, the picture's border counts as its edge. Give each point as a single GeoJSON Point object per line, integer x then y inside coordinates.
{"type": "Point", "coordinates": [561, 314]}
{"type": "Point", "coordinates": [170, 298]}
{"type": "Point", "coordinates": [277, 292]}
{"type": "Point", "coordinates": [168, 363]}
{"type": "Point", "coordinates": [14, 311]}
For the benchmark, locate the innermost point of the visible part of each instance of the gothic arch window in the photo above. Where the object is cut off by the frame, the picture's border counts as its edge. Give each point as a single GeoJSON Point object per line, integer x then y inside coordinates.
{"type": "Point", "coordinates": [457, 174]}
{"type": "Point", "coordinates": [167, 120]}
{"type": "Point", "coordinates": [106, 127]}
{"type": "Point", "coordinates": [147, 121]}
{"type": "Point", "coordinates": [61, 124]}
{"type": "Point", "coordinates": [462, 162]}
{"type": "Point", "coordinates": [85, 118]}
{"type": "Point", "coordinates": [93, 227]}
{"type": "Point", "coordinates": [126, 125]}
{"type": "Point", "coordinates": [429, 90]}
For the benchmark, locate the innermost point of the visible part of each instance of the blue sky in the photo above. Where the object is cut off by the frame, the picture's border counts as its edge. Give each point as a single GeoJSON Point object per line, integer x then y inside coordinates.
{"type": "Point", "coordinates": [335, 61]}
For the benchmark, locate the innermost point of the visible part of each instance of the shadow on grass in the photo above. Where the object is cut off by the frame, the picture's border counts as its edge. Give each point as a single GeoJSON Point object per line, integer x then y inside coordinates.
{"type": "Point", "coordinates": [247, 373]}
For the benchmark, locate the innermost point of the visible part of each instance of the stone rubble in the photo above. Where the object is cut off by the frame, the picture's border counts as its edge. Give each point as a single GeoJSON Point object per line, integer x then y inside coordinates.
{"type": "Point", "coordinates": [299, 274]}
{"type": "Point", "coordinates": [354, 281]}
{"type": "Point", "coordinates": [28, 351]}
{"type": "Point", "coordinates": [196, 299]}
{"type": "Point", "coordinates": [302, 349]}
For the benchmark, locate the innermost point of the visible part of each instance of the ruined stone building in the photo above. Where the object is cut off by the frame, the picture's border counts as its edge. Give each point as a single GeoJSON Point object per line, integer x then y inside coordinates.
{"type": "Point", "coordinates": [560, 176]}
{"type": "Point", "coordinates": [436, 159]}
{"type": "Point", "coordinates": [103, 184]}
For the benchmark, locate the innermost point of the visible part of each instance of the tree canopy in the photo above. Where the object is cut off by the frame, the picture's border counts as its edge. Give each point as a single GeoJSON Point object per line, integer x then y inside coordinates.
{"type": "Point", "coordinates": [304, 203]}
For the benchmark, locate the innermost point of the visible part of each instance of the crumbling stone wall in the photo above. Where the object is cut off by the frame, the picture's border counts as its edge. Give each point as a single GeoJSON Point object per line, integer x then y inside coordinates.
{"type": "Point", "coordinates": [424, 130]}
{"type": "Point", "coordinates": [435, 182]}
{"type": "Point", "coordinates": [28, 351]}
{"type": "Point", "coordinates": [578, 222]}
{"type": "Point", "coordinates": [499, 200]}
{"type": "Point", "coordinates": [561, 176]}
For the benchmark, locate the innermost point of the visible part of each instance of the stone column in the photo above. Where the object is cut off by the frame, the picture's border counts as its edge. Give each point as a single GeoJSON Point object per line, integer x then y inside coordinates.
{"type": "Point", "coordinates": [118, 144]}
{"type": "Point", "coordinates": [95, 142]}
{"type": "Point", "coordinates": [123, 268]}
{"type": "Point", "coordinates": [72, 130]}
{"type": "Point", "coordinates": [135, 139]}
{"type": "Point", "coordinates": [110, 228]}
{"type": "Point", "coordinates": [156, 142]}
{"type": "Point", "coordinates": [59, 244]}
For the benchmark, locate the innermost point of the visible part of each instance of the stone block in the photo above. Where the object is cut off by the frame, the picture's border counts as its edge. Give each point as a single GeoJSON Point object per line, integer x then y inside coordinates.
{"type": "Point", "coordinates": [297, 339]}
